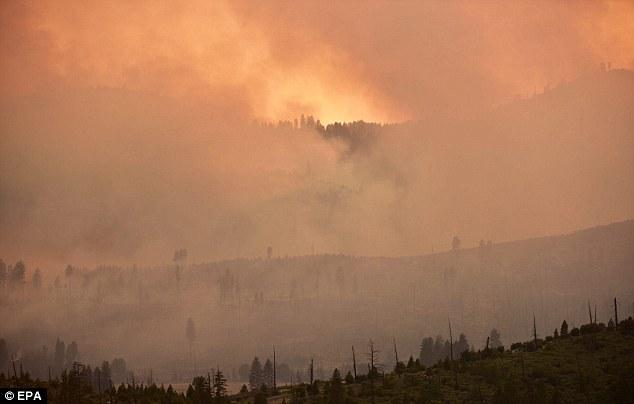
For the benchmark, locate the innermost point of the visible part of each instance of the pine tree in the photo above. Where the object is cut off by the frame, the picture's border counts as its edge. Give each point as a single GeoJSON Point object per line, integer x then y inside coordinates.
{"type": "Point", "coordinates": [349, 378]}
{"type": "Point", "coordinates": [219, 387]}
{"type": "Point", "coordinates": [495, 341]}
{"type": "Point", "coordinates": [36, 280]}
{"type": "Point", "coordinates": [267, 373]}
{"type": "Point", "coordinates": [564, 329]}
{"type": "Point", "coordinates": [336, 388]}
{"type": "Point", "coordinates": [106, 374]}
{"type": "Point", "coordinates": [58, 359]}
{"type": "Point", "coordinates": [255, 375]}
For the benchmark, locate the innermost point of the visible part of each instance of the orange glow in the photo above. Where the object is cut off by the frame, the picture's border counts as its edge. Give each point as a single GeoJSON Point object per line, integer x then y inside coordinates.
{"type": "Point", "coordinates": [259, 54]}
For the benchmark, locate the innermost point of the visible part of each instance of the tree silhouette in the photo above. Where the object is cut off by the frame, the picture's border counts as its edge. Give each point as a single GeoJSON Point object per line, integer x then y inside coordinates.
{"type": "Point", "coordinates": [427, 351]}
{"type": "Point", "coordinates": [72, 352]}
{"type": "Point", "coordinates": [68, 272]}
{"type": "Point", "coordinates": [106, 373]}
{"type": "Point", "coordinates": [372, 368]}
{"type": "Point", "coordinates": [564, 329]}
{"type": "Point", "coordinates": [199, 392]}
{"type": "Point", "coordinates": [354, 364]}
{"type": "Point", "coordinates": [336, 388]}
{"type": "Point", "coordinates": [255, 375]}
{"type": "Point", "coordinates": [267, 373]}
{"type": "Point", "coordinates": [461, 345]}
{"type": "Point", "coordinates": [18, 273]}
{"type": "Point", "coordinates": [219, 387]}
{"type": "Point", "coordinates": [119, 370]}
{"type": "Point", "coordinates": [349, 378]}
{"type": "Point", "coordinates": [36, 280]}
{"type": "Point", "coordinates": [59, 356]}
{"type": "Point", "coordinates": [455, 243]}
{"type": "Point", "coordinates": [495, 339]}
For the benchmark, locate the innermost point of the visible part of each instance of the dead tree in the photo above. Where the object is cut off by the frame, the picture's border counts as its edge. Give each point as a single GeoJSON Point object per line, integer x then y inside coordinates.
{"type": "Point", "coordinates": [208, 385]}
{"type": "Point", "coordinates": [274, 372]}
{"type": "Point", "coordinates": [616, 315]}
{"type": "Point", "coordinates": [450, 343]}
{"type": "Point", "coordinates": [372, 370]}
{"type": "Point", "coordinates": [590, 312]}
{"type": "Point", "coordinates": [372, 356]}
{"type": "Point", "coordinates": [312, 368]}
{"type": "Point", "coordinates": [534, 332]}
{"type": "Point", "coordinates": [395, 351]}
{"type": "Point", "coordinates": [354, 364]}
{"type": "Point", "coordinates": [98, 385]}
{"type": "Point", "coordinates": [451, 354]}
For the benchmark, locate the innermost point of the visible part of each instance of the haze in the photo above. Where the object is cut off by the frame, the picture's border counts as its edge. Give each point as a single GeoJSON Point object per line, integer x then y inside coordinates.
{"type": "Point", "coordinates": [125, 127]}
{"type": "Point", "coordinates": [130, 130]}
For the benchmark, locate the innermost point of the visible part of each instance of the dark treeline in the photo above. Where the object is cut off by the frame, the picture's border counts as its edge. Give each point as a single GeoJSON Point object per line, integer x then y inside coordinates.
{"type": "Point", "coordinates": [470, 369]}
{"type": "Point", "coordinates": [357, 135]}
{"type": "Point", "coordinates": [45, 364]}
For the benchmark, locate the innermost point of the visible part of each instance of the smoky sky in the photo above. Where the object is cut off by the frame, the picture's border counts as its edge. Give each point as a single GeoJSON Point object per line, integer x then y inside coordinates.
{"type": "Point", "coordinates": [126, 128]}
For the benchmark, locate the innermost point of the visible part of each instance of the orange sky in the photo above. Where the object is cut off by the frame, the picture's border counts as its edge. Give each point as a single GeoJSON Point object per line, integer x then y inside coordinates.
{"type": "Point", "coordinates": [377, 60]}
{"type": "Point", "coordinates": [125, 126]}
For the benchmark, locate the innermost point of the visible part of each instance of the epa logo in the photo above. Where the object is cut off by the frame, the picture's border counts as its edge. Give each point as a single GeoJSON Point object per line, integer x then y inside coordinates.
{"type": "Point", "coordinates": [28, 395]}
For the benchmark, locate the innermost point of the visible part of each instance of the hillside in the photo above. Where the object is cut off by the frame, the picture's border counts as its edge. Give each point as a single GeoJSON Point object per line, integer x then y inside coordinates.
{"type": "Point", "coordinates": [591, 365]}
{"type": "Point", "coordinates": [594, 367]}
{"type": "Point", "coordinates": [242, 307]}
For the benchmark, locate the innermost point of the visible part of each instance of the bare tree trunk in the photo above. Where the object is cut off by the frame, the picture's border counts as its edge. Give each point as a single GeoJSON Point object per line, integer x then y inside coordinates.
{"type": "Point", "coordinates": [589, 312]}
{"type": "Point", "coordinates": [372, 354]}
{"type": "Point", "coordinates": [616, 315]}
{"type": "Point", "coordinates": [371, 378]}
{"type": "Point", "coordinates": [209, 382]}
{"type": "Point", "coordinates": [311, 371]}
{"type": "Point", "coordinates": [395, 351]}
{"type": "Point", "coordinates": [451, 355]}
{"type": "Point", "coordinates": [354, 364]}
{"type": "Point", "coordinates": [450, 343]}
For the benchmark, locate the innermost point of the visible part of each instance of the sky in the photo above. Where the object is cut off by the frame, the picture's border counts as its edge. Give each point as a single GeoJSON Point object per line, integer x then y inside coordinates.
{"type": "Point", "coordinates": [125, 127]}
{"type": "Point", "coordinates": [376, 60]}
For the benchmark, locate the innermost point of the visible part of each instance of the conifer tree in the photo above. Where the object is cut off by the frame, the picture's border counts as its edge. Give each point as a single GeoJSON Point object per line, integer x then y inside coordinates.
{"type": "Point", "coordinates": [219, 387]}
{"type": "Point", "coordinates": [255, 375]}
{"type": "Point", "coordinates": [564, 329]}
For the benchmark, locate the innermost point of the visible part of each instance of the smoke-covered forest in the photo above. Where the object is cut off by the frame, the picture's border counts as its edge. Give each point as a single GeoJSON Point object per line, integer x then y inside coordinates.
{"type": "Point", "coordinates": [173, 322]}
{"type": "Point", "coordinates": [317, 202]}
